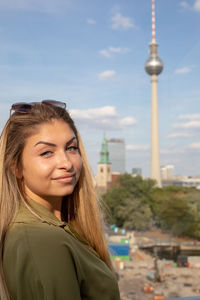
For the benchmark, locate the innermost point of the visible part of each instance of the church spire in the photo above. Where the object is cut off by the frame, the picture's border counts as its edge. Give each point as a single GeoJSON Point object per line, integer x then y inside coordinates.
{"type": "Point", "coordinates": [104, 154]}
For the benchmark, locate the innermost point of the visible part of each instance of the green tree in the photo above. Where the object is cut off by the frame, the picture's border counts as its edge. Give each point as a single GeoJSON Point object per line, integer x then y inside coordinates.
{"type": "Point", "coordinates": [136, 215]}
{"type": "Point", "coordinates": [177, 210]}
{"type": "Point", "coordinates": [129, 202]}
{"type": "Point", "coordinates": [114, 199]}
{"type": "Point", "coordinates": [137, 203]}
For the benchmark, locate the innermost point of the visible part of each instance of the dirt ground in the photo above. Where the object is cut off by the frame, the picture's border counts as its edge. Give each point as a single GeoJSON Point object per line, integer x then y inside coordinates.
{"type": "Point", "coordinates": [142, 279]}
{"type": "Point", "coordinates": [137, 280]}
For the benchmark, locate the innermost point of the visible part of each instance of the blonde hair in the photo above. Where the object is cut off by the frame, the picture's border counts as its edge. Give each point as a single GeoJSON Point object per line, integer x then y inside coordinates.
{"type": "Point", "coordinates": [81, 209]}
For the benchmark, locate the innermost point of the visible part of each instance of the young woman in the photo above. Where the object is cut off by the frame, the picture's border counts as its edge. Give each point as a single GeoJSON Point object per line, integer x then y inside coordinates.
{"type": "Point", "coordinates": [51, 238]}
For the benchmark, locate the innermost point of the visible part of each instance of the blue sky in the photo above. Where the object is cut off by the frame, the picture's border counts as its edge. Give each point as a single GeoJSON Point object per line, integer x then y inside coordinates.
{"type": "Point", "coordinates": [91, 54]}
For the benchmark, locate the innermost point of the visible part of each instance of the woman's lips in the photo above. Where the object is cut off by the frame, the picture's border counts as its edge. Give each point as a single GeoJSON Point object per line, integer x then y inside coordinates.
{"type": "Point", "coordinates": [64, 178]}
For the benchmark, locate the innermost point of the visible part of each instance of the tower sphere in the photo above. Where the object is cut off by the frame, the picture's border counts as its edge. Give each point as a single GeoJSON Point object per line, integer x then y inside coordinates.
{"type": "Point", "coordinates": [154, 66]}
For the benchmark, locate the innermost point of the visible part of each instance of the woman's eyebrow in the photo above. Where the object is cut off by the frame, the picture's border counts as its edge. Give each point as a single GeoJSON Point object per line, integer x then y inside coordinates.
{"type": "Point", "coordinates": [45, 143]}
{"type": "Point", "coordinates": [54, 145]}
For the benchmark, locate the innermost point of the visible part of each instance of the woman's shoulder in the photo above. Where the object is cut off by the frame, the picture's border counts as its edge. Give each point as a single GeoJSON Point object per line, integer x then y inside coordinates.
{"type": "Point", "coordinates": [38, 241]}
{"type": "Point", "coordinates": [38, 252]}
{"type": "Point", "coordinates": [36, 232]}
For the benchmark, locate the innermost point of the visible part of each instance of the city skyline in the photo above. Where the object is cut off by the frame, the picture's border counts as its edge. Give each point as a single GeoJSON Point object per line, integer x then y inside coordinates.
{"type": "Point", "coordinates": [92, 55]}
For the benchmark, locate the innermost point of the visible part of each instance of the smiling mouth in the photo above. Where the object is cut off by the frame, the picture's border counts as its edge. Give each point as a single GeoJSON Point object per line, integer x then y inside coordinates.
{"type": "Point", "coordinates": [64, 179]}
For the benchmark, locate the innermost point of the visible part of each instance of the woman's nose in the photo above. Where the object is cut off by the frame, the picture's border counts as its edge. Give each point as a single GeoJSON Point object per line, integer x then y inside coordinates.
{"type": "Point", "coordinates": [65, 161]}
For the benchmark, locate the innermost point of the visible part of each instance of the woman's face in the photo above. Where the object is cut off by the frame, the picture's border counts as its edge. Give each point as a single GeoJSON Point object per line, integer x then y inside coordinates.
{"type": "Point", "coordinates": [51, 163]}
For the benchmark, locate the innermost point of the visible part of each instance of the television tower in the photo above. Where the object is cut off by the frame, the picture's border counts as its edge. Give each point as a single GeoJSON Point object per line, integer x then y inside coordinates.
{"type": "Point", "coordinates": [154, 67]}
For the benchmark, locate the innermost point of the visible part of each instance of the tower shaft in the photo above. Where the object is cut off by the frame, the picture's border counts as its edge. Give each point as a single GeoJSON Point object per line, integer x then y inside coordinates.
{"type": "Point", "coordinates": [155, 148]}
{"type": "Point", "coordinates": [154, 67]}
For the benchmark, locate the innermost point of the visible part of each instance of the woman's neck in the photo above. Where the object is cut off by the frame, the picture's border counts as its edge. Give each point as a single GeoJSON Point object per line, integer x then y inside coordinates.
{"type": "Point", "coordinates": [53, 204]}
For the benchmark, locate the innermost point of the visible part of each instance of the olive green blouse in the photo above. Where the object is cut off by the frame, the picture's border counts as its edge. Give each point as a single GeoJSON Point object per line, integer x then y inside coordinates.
{"type": "Point", "coordinates": [47, 260]}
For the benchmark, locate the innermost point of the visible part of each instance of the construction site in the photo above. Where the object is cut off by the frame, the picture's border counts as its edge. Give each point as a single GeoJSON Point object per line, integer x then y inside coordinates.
{"type": "Point", "coordinates": [157, 266]}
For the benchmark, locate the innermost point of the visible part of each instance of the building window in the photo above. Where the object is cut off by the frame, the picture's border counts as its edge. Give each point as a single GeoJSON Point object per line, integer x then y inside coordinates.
{"type": "Point", "coordinates": [101, 170]}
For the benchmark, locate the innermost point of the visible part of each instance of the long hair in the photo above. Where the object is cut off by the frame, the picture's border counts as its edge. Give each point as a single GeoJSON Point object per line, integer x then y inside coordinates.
{"type": "Point", "coordinates": [80, 209]}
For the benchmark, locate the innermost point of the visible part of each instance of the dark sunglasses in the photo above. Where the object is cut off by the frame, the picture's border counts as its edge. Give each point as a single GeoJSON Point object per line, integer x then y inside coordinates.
{"type": "Point", "coordinates": [24, 107]}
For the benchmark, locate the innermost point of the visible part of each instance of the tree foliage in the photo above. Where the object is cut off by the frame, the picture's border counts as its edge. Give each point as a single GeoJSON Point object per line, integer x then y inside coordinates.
{"type": "Point", "coordinates": [136, 203]}
{"type": "Point", "coordinates": [130, 202]}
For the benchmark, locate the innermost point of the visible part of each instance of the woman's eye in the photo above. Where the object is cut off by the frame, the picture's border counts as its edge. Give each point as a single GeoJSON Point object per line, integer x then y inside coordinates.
{"type": "Point", "coordinates": [46, 153]}
{"type": "Point", "coordinates": [72, 148]}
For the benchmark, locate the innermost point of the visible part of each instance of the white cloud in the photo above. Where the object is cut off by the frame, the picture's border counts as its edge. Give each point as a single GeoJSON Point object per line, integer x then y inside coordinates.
{"type": "Point", "coordinates": [103, 117]}
{"type": "Point", "coordinates": [106, 74]}
{"type": "Point", "coordinates": [184, 4]}
{"type": "Point", "coordinates": [197, 5]}
{"type": "Point", "coordinates": [105, 53]}
{"type": "Point", "coordinates": [106, 111]}
{"type": "Point", "coordinates": [179, 135]}
{"type": "Point", "coordinates": [114, 50]}
{"type": "Point", "coordinates": [91, 21]}
{"type": "Point", "coordinates": [189, 117]}
{"type": "Point", "coordinates": [121, 22]}
{"type": "Point", "coordinates": [183, 70]}
{"type": "Point", "coordinates": [194, 146]}
{"type": "Point", "coordinates": [188, 125]}
{"type": "Point", "coordinates": [127, 121]}
{"type": "Point", "coordinates": [137, 147]}
{"type": "Point", "coordinates": [172, 151]}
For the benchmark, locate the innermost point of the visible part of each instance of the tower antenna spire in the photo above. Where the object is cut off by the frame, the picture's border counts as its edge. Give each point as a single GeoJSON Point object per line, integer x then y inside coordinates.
{"type": "Point", "coordinates": [153, 22]}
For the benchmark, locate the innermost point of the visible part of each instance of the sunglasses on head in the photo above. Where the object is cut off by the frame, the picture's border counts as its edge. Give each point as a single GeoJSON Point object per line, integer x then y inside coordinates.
{"type": "Point", "coordinates": [24, 107]}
